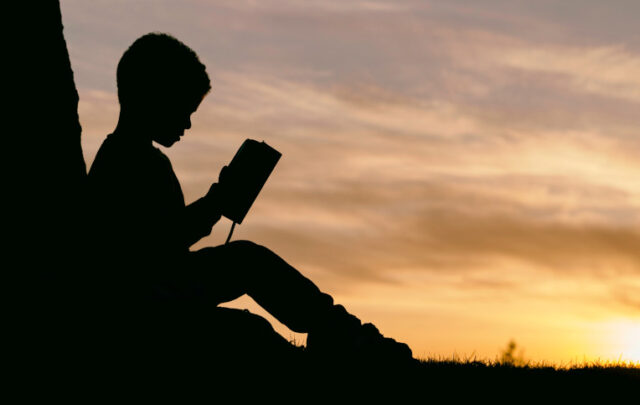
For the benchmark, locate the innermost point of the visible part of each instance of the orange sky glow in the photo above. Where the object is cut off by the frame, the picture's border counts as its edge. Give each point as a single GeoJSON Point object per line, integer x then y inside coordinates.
{"type": "Point", "coordinates": [459, 173]}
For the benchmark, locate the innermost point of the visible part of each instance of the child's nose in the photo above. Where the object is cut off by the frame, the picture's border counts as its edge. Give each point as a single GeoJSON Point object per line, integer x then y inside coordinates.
{"type": "Point", "coordinates": [188, 124]}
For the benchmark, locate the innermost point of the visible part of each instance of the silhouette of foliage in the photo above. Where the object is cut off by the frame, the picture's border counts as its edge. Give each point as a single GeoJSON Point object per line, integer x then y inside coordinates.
{"type": "Point", "coordinates": [510, 357]}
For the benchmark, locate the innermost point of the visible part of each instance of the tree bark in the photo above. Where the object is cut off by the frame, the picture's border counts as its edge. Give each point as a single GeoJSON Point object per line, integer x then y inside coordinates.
{"type": "Point", "coordinates": [46, 173]}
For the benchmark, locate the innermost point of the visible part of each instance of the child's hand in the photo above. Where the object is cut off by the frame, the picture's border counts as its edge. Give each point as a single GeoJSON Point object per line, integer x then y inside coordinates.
{"type": "Point", "coordinates": [223, 175]}
{"type": "Point", "coordinates": [216, 190]}
{"type": "Point", "coordinates": [214, 194]}
{"type": "Point", "coordinates": [214, 200]}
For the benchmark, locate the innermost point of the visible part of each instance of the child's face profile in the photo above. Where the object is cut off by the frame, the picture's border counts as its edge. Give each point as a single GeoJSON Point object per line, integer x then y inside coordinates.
{"type": "Point", "coordinates": [169, 120]}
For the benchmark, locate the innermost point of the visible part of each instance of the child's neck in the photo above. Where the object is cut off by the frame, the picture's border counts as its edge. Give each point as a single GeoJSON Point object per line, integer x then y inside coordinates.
{"type": "Point", "coordinates": [133, 130]}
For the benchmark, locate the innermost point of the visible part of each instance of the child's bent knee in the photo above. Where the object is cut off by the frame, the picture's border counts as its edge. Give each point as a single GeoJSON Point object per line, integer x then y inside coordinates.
{"type": "Point", "coordinates": [246, 247]}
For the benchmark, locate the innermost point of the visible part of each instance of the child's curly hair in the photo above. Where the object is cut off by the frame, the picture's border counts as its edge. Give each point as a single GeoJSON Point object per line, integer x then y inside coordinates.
{"type": "Point", "coordinates": [159, 65]}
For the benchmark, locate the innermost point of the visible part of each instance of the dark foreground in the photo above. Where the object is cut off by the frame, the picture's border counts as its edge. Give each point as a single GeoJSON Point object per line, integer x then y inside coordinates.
{"type": "Point", "coordinates": [507, 376]}
{"type": "Point", "coordinates": [209, 376]}
{"type": "Point", "coordinates": [208, 353]}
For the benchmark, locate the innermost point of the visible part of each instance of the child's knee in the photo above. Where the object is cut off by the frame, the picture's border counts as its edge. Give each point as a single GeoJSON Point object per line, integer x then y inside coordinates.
{"type": "Point", "coordinates": [248, 248]}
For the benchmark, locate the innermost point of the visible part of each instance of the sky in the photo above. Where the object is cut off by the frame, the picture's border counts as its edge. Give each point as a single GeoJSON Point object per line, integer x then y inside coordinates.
{"type": "Point", "coordinates": [460, 173]}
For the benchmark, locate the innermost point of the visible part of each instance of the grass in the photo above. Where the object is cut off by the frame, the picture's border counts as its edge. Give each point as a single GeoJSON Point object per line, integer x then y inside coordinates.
{"type": "Point", "coordinates": [529, 364]}
{"type": "Point", "coordinates": [528, 376]}
{"type": "Point", "coordinates": [505, 373]}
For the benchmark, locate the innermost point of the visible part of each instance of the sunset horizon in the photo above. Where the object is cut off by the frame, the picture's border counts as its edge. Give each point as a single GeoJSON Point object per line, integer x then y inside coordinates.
{"type": "Point", "coordinates": [462, 175]}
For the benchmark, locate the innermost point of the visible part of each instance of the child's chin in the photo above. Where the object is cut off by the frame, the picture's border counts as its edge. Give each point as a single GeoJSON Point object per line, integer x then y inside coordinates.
{"type": "Point", "coordinates": [167, 142]}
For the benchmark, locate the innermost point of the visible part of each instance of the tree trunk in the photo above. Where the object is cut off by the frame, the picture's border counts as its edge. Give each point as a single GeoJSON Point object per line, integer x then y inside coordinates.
{"type": "Point", "coordinates": [46, 177]}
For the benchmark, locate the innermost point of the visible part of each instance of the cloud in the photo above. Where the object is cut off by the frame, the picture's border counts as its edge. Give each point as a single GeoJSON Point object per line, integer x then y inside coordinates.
{"type": "Point", "coordinates": [610, 71]}
{"type": "Point", "coordinates": [377, 232]}
{"type": "Point", "coordinates": [629, 298]}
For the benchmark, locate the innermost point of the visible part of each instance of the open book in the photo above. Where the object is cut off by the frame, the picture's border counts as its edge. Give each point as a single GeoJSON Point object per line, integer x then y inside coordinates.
{"type": "Point", "coordinates": [245, 176]}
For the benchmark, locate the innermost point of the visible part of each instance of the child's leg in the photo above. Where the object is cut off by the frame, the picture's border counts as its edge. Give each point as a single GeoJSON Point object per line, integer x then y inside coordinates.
{"type": "Point", "coordinates": [226, 272]}
{"type": "Point", "coordinates": [229, 271]}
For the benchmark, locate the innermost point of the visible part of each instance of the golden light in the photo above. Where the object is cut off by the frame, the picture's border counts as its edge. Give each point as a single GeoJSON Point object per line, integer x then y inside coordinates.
{"type": "Point", "coordinates": [625, 339]}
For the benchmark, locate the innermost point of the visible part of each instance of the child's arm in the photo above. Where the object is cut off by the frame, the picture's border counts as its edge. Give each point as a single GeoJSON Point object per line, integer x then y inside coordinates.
{"type": "Point", "coordinates": [200, 216]}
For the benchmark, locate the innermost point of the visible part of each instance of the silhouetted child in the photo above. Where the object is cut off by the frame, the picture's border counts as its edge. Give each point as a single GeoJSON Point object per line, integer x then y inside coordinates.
{"type": "Point", "coordinates": [145, 230]}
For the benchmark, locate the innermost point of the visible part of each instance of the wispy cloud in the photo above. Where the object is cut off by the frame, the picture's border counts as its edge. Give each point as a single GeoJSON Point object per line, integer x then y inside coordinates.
{"type": "Point", "coordinates": [609, 71]}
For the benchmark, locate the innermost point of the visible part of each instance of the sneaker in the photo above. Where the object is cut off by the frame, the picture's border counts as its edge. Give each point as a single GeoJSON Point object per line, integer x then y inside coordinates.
{"type": "Point", "coordinates": [342, 336]}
